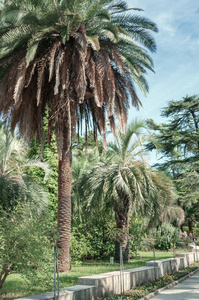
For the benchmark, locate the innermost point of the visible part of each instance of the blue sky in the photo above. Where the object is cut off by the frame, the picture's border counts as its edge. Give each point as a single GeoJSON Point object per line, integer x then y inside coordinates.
{"type": "Point", "coordinates": [176, 62]}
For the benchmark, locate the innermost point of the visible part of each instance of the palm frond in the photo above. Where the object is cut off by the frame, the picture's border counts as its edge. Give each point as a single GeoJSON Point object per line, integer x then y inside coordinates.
{"type": "Point", "coordinates": [93, 53]}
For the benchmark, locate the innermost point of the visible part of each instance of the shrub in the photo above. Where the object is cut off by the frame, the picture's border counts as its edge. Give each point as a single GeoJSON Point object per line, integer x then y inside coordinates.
{"type": "Point", "coordinates": [25, 246]}
{"type": "Point", "coordinates": [136, 235]}
{"type": "Point", "coordinates": [166, 236]}
{"type": "Point", "coordinates": [80, 247]}
{"type": "Point", "coordinates": [92, 240]}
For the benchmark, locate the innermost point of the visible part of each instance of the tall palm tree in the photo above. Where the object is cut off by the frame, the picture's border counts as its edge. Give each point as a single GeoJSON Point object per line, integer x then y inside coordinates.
{"type": "Point", "coordinates": [78, 58]}
{"type": "Point", "coordinates": [123, 181]}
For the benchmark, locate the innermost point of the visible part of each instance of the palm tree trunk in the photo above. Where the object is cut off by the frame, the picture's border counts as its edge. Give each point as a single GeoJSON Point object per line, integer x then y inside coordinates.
{"type": "Point", "coordinates": [64, 209]}
{"type": "Point", "coordinates": [190, 225]}
{"type": "Point", "coordinates": [122, 236]}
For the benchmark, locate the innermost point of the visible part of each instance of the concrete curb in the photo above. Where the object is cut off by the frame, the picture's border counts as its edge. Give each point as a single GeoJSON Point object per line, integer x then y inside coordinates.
{"type": "Point", "coordinates": [151, 295]}
{"type": "Point", "coordinates": [108, 284]}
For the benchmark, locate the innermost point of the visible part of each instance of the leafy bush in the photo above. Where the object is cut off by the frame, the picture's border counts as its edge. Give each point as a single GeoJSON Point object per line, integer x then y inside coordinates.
{"type": "Point", "coordinates": [166, 235]}
{"type": "Point", "coordinates": [25, 246]}
{"type": "Point", "coordinates": [80, 247]}
{"type": "Point", "coordinates": [136, 234]}
{"type": "Point", "coordinates": [92, 240]}
{"type": "Point", "coordinates": [95, 239]}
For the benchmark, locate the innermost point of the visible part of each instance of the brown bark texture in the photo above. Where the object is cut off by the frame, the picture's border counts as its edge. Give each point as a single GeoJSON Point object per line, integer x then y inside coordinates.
{"type": "Point", "coordinates": [190, 225]}
{"type": "Point", "coordinates": [122, 236]}
{"type": "Point", "coordinates": [64, 209]}
{"type": "Point", "coordinates": [3, 277]}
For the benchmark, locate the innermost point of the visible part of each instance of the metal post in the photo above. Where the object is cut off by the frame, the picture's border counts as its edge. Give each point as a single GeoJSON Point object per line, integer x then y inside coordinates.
{"type": "Point", "coordinates": [154, 262]}
{"type": "Point", "coordinates": [57, 269]}
{"type": "Point", "coordinates": [55, 265]}
{"type": "Point", "coordinates": [121, 261]}
{"type": "Point", "coordinates": [196, 248]}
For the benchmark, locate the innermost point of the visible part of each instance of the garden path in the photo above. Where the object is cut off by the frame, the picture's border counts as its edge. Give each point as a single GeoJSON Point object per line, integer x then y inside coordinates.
{"type": "Point", "coordinates": [186, 290]}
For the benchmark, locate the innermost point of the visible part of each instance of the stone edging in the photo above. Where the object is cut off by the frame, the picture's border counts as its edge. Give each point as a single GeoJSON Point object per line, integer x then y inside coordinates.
{"type": "Point", "coordinates": [156, 292]}
{"type": "Point", "coordinates": [108, 284]}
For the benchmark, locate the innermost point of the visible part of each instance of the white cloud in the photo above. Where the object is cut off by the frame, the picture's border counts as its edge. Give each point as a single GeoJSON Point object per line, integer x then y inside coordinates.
{"type": "Point", "coordinates": [165, 24]}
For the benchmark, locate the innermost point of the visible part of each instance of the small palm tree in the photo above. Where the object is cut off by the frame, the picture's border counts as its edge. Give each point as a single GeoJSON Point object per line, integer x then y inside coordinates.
{"type": "Point", "coordinates": [15, 184]}
{"type": "Point", "coordinates": [123, 182]}
{"type": "Point", "coordinates": [80, 161]}
{"type": "Point", "coordinates": [78, 58]}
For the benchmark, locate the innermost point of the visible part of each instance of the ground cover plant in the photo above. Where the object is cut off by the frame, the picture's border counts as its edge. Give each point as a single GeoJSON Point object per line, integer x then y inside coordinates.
{"type": "Point", "coordinates": [16, 286]}
{"type": "Point", "coordinates": [143, 290]}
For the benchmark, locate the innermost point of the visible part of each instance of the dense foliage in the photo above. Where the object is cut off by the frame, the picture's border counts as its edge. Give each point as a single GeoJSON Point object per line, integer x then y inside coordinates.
{"type": "Point", "coordinates": [25, 245]}
{"type": "Point", "coordinates": [177, 140]}
{"type": "Point", "coordinates": [50, 156]}
{"type": "Point", "coordinates": [15, 181]}
{"type": "Point", "coordinates": [166, 236]}
{"type": "Point", "coordinates": [92, 239]}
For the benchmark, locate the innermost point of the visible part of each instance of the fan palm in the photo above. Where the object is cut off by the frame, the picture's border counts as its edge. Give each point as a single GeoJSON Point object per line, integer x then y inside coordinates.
{"type": "Point", "coordinates": [78, 58]}
{"type": "Point", "coordinates": [15, 184]}
{"type": "Point", "coordinates": [123, 181]}
{"type": "Point", "coordinates": [80, 161]}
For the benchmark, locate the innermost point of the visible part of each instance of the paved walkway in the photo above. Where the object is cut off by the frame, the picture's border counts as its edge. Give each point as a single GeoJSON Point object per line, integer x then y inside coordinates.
{"type": "Point", "coordinates": [186, 290]}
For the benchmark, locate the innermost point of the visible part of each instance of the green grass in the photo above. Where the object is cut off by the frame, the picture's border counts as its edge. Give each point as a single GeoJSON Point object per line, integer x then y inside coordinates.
{"type": "Point", "coordinates": [16, 286]}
